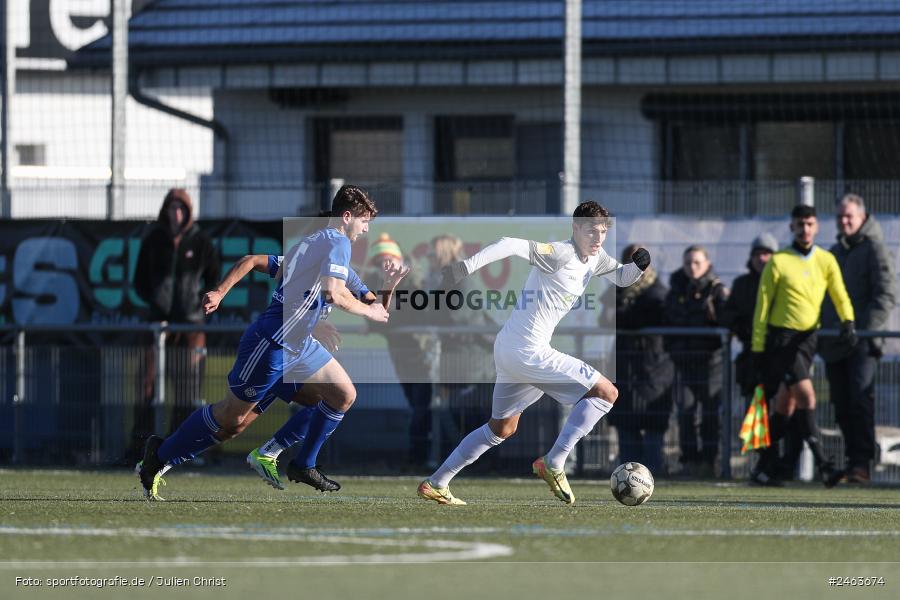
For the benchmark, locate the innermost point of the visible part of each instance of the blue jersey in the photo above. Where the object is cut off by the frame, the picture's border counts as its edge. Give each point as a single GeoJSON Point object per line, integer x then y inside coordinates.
{"type": "Point", "coordinates": [297, 304]}
{"type": "Point", "coordinates": [354, 283]}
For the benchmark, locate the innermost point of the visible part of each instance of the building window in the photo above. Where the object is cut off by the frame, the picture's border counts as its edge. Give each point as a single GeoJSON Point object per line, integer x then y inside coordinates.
{"type": "Point", "coordinates": [871, 150]}
{"type": "Point", "coordinates": [363, 150]}
{"type": "Point", "coordinates": [475, 148]}
{"type": "Point", "coordinates": [703, 152]}
{"type": "Point", "coordinates": [788, 151]}
{"type": "Point", "coordinates": [31, 155]}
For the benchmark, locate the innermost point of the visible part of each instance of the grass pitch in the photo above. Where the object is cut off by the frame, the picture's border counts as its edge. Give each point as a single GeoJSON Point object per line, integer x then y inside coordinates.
{"type": "Point", "coordinates": [376, 539]}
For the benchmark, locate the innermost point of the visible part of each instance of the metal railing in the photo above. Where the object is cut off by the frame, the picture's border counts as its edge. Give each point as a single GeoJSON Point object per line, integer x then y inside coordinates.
{"type": "Point", "coordinates": [87, 386]}
{"type": "Point", "coordinates": [86, 199]}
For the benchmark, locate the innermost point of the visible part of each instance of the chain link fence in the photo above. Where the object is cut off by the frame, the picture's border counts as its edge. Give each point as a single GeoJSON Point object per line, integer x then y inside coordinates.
{"type": "Point", "coordinates": [87, 395]}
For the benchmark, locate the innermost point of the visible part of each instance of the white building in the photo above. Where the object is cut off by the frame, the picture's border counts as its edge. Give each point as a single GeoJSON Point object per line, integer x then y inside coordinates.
{"type": "Point", "coordinates": [688, 107]}
{"type": "Point", "coordinates": [60, 122]}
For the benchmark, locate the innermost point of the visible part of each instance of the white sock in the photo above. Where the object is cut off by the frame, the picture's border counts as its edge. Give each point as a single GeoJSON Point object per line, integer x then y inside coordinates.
{"type": "Point", "coordinates": [473, 445]}
{"type": "Point", "coordinates": [582, 419]}
{"type": "Point", "coordinates": [271, 449]}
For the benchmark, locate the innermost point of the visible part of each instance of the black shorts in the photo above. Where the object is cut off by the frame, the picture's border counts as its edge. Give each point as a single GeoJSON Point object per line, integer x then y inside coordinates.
{"type": "Point", "coordinates": [789, 357]}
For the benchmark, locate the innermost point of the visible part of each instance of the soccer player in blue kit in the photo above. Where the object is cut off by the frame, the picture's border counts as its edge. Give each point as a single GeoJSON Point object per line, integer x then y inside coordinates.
{"type": "Point", "coordinates": [279, 343]}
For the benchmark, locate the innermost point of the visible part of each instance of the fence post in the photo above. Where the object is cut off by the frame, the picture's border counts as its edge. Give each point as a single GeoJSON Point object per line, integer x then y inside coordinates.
{"type": "Point", "coordinates": [159, 396]}
{"type": "Point", "coordinates": [727, 400]}
{"type": "Point", "coordinates": [806, 191]}
{"type": "Point", "coordinates": [19, 401]}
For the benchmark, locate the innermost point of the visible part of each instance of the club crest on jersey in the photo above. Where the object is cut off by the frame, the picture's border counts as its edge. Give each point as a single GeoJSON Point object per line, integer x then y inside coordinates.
{"type": "Point", "coordinates": [250, 392]}
{"type": "Point", "coordinates": [544, 249]}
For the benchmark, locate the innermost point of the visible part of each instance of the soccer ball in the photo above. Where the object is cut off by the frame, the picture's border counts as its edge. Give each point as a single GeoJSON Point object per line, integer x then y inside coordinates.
{"type": "Point", "coordinates": [631, 483]}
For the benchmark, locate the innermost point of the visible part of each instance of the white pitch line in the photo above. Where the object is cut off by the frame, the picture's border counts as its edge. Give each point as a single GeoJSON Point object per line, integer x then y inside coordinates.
{"type": "Point", "coordinates": [443, 550]}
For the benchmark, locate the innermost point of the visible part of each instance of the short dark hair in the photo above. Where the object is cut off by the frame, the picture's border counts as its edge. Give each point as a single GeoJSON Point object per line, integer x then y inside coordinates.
{"type": "Point", "coordinates": [591, 211]}
{"type": "Point", "coordinates": [803, 211]}
{"type": "Point", "coordinates": [355, 199]}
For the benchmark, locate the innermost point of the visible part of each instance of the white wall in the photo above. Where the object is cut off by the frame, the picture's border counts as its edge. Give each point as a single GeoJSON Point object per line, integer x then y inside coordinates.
{"type": "Point", "coordinates": [69, 113]}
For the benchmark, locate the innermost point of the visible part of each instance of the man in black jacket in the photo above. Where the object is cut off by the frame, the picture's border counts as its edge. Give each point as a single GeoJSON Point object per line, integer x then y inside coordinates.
{"type": "Point", "coordinates": [644, 370]}
{"type": "Point", "coordinates": [410, 353]}
{"type": "Point", "coordinates": [176, 264]}
{"type": "Point", "coordinates": [696, 299]}
{"type": "Point", "coordinates": [867, 267]}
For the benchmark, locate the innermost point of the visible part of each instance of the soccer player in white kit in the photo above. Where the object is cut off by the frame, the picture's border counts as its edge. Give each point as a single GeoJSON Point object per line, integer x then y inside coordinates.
{"type": "Point", "coordinates": [527, 366]}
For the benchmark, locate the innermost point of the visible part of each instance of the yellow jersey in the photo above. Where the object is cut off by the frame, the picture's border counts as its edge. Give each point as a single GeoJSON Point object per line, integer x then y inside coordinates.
{"type": "Point", "coordinates": [791, 291]}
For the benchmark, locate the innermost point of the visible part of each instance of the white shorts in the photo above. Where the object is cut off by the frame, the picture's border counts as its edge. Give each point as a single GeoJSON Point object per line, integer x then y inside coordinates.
{"type": "Point", "coordinates": [523, 376]}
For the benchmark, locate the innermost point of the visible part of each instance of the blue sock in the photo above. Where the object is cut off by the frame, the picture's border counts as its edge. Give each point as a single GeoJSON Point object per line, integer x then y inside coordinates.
{"type": "Point", "coordinates": [195, 435]}
{"type": "Point", "coordinates": [294, 431]}
{"type": "Point", "coordinates": [322, 424]}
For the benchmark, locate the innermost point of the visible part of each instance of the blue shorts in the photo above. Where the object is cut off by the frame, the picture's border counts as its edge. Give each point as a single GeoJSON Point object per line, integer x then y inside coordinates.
{"type": "Point", "coordinates": [258, 371]}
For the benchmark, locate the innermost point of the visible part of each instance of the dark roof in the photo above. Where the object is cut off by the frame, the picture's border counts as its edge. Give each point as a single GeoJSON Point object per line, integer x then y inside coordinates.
{"type": "Point", "coordinates": [179, 32]}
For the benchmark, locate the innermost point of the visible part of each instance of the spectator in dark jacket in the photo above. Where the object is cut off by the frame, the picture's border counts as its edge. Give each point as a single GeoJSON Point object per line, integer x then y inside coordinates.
{"type": "Point", "coordinates": [410, 353]}
{"type": "Point", "coordinates": [868, 271]}
{"type": "Point", "coordinates": [467, 359]}
{"type": "Point", "coordinates": [176, 264]}
{"type": "Point", "coordinates": [696, 298]}
{"type": "Point", "coordinates": [737, 315]}
{"type": "Point", "coordinates": [644, 370]}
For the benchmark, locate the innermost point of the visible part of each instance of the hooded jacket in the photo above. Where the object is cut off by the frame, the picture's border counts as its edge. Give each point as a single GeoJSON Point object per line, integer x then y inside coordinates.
{"type": "Point", "coordinates": [174, 268]}
{"type": "Point", "coordinates": [867, 267]}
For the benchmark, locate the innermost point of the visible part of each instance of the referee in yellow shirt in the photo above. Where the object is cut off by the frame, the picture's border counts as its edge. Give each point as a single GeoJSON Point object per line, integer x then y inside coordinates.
{"type": "Point", "coordinates": [788, 306]}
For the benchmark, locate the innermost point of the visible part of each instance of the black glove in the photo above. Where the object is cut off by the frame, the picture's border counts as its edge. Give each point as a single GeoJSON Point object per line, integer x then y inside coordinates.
{"type": "Point", "coordinates": [848, 334]}
{"type": "Point", "coordinates": [452, 274]}
{"type": "Point", "coordinates": [759, 368]}
{"type": "Point", "coordinates": [641, 259]}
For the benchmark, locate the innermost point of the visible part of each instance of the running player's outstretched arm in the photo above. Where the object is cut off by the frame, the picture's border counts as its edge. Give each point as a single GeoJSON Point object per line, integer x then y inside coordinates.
{"type": "Point", "coordinates": [627, 274]}
{"type": "Point", "coordinates": [334, 276]}
{"type": "Point", "coordinates": [336, 292]}
{"type": "Point", "coordinates": [541, 255]}
{"type": "Point", "coordinates": [251, 262]}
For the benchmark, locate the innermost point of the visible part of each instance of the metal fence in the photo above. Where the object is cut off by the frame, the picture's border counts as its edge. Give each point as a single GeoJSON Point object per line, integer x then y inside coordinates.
{"type": "Point", "coordinates": [87, 394]}
{"type": "Point", "coordinates": [86, 199]}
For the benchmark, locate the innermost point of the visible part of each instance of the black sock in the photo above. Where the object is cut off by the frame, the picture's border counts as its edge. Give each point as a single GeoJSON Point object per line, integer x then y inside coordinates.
{"type": "Point", "coordinates": [769, 457]}
{"type": "Point", "coordinates": [777, 427]}
{"type": "Point", "coordinates": [810, 429]}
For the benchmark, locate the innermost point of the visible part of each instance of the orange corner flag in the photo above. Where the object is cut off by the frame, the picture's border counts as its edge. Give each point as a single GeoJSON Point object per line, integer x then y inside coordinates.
{"type": "Point", "coordinates": [755, 429]}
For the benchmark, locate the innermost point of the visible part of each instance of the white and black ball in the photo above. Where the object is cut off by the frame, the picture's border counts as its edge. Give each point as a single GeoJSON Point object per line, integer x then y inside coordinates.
{"type": "Point", "coordinates": [631, 483]}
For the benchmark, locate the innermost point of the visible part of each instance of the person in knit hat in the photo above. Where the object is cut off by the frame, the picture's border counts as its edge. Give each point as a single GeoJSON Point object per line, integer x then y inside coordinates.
{"type": "Point", "coordinates": [385, 248]}
{"type": "Point", "coordinates": [738, 312]}
{"type": "Point", "coordinates": [408, 351]}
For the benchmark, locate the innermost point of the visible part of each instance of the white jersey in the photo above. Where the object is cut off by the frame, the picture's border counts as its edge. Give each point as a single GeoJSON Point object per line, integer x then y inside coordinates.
{"type": "Point", "coordinates": [559, 277]}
